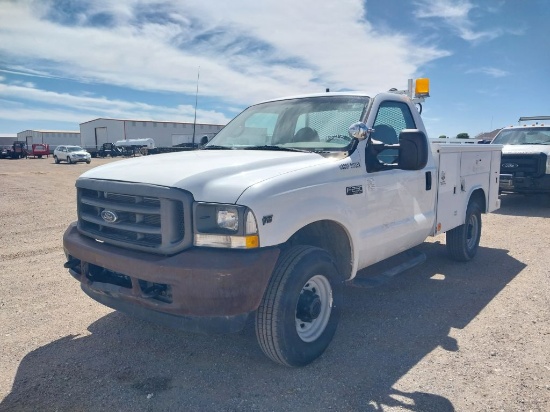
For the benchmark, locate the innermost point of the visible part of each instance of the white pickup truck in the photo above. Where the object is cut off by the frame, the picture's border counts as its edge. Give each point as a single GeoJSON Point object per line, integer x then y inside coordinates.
{"type": "Point", "coordinates": [275, 215]}
{"type": "Point", "coordinates": [525, 163]}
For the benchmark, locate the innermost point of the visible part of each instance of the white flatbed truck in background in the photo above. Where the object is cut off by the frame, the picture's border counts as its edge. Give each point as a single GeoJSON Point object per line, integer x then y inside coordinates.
{"type": "Point", "coordinates": [276, 214]}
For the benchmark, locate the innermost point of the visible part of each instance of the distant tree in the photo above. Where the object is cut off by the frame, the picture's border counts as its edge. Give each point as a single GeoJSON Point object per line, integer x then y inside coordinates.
{"type": "Point", "coordinates": [463, 136]}
{"type": "Point", "coordinates": [442, 136]}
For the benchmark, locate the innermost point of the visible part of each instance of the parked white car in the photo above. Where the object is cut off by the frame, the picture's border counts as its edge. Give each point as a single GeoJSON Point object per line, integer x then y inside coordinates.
{"type": "Point", "coordinates": [71, 154]}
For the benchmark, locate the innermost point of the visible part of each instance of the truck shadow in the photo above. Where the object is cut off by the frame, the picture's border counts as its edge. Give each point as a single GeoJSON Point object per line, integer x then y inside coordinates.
{"type": "Point", "coordinates": [522, 205]}
{"type": "Point", "coordinates": [125, 364]}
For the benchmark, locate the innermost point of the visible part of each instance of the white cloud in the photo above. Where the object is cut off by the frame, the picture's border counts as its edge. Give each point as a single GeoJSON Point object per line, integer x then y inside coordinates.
{"type": "Point", "coordinates": [490, 71]}
{"type": "Point", "coordinates": [27, 71]}
{"type": "Point", "coordinates": [456, 15]}
{"type": "Point", "coordinates": [72, 108]}
{"type": "Point", "coordinates": [246, 50]}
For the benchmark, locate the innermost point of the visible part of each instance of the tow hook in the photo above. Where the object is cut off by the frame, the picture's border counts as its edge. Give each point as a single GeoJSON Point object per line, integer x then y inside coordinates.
{"type": "Point", "coordinates": [71, 263]}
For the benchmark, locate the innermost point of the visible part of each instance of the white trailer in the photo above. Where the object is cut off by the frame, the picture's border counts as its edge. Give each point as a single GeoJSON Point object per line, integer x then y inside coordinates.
{"type": "Point", "coordinates": [148, 143]}
{"type": "Point", "coordinates": [131, 147]}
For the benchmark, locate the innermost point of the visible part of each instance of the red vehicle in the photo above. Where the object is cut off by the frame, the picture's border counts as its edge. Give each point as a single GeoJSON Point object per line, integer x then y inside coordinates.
{"type": "Point", "coordinates": [39, 150]}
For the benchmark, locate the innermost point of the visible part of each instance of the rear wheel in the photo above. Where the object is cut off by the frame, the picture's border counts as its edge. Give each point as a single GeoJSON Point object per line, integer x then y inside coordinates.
{"type": "Point", "coordinates": [463, 241]}
{"type": "Point", "coordinates": [300, 310]}
{"type": "Point", "coordinates": [69, 160]}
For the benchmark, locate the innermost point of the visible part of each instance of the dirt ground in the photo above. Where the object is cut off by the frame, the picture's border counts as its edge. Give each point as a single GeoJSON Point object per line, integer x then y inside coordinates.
{"type": "Point", "coordinates": [444, 336]}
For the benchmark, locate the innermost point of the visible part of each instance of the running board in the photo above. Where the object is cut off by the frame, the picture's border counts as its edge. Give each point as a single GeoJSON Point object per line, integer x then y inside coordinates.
{"type": "Point", "coordinates": [382, 272]}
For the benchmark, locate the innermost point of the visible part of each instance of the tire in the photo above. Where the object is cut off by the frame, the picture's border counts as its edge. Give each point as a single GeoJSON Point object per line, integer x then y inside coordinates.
{"type": "Point", "coordinates": [69, 161]}
{"type": "Point", "coordinates": [56, 160]}
{"type": "Point", "coordinates": [463, 241]}
{"type": "Point", "coordinates": [301, 307]}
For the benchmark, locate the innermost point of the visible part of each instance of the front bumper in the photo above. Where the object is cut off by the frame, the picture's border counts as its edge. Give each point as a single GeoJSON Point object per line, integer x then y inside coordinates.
{"type": "Point", "coordinates": [80, 159]}
{"type": "Point", "coordinates": [204, 290]}
{"type": "Point", "coordinates": [524, 184]}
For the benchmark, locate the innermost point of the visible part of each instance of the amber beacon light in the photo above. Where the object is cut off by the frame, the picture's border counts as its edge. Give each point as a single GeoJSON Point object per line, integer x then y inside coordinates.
{"type": "Point", "coordinates": [422, 88]}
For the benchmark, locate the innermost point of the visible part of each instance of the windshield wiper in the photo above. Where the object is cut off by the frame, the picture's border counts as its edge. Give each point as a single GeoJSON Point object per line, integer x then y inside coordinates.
{"type": "Point", "coordinates": [214, 147]}
{"type": "Point", "coordinates": [274, 148]}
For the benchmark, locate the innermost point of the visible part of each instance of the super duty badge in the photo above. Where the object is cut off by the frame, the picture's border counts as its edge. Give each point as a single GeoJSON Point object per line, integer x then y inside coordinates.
{"type": "Point", "coordinates": [354, 190]}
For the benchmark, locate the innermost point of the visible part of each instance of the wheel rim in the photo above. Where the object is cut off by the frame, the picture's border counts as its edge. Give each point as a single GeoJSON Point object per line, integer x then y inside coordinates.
{"type": "Point", "coordinates": [314, 308]}
{"type": "Point", "coordinates": [472, 234]}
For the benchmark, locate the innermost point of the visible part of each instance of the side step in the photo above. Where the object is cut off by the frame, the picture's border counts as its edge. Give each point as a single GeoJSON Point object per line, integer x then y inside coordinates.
{"type": "Point", "coordinates": [382, 272]}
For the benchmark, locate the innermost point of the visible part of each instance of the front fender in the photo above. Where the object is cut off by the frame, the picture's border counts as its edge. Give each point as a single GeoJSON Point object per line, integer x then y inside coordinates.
{"type": "Point", "coordinates": [282, 215]}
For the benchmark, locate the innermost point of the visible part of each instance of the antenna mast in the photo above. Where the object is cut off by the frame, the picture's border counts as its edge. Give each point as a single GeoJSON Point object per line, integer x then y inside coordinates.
{"type": "Point", "coordinates": [196, 99]}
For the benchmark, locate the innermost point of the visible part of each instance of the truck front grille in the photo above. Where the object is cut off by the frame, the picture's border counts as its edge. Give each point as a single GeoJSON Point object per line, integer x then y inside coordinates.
{"type": "Point", "coordinates": [135, 216]}
{"type": "Point", "coordinates": [527, 165]}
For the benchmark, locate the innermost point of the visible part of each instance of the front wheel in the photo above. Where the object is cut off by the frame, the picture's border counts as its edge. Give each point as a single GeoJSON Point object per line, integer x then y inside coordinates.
{"type": "Point", "coordinates": [56, 160]}
{"type": "Point", "coordinates": [300, 310]}
{"type": "Point", "coordinates": [463, 241]}
{"type": "Point", "coordinates": [69, 160]}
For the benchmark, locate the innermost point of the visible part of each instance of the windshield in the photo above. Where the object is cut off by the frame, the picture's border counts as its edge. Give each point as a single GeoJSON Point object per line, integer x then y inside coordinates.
{"type": "Point", "coordinates": [74, 148]}
{"type": "Point", "coordinates": [314, 124]}
{"type": "Point", "coordinates": [524, 135]}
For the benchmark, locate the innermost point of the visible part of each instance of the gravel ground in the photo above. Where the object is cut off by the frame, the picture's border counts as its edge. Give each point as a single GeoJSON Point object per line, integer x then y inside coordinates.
{"type": "Point", "coordinates": [444, 336]}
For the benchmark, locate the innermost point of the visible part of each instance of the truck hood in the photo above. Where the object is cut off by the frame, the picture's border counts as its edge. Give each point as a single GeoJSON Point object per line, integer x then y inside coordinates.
{"type": "Point", "coordinates": [210, 175]}
{"type": "Point", "coordinates": [525, 149]}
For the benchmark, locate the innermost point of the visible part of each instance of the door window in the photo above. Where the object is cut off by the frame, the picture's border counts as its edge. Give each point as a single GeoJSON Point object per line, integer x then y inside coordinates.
{"type": "Point", "coordinates": [392, 117]}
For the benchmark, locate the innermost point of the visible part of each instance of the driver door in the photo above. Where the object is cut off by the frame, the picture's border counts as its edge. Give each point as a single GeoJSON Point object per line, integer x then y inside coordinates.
{"type": "Point", "coordinates": [399, 207]}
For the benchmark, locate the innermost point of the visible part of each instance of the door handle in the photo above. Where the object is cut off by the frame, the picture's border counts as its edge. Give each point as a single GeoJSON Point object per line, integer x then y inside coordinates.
{"type": "Point", "coordinates": [428, 180]}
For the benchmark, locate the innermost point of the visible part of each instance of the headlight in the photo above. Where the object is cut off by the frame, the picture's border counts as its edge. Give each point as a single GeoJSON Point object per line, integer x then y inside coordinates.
{"type": "Point", "coordinates": [228, 218]}
{"type": "Point", "coordinates": [227, 226]}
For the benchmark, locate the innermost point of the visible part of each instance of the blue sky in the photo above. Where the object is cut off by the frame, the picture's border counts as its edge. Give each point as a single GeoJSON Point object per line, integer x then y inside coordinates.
{"type": "Point", "coordinates": [64, 62]}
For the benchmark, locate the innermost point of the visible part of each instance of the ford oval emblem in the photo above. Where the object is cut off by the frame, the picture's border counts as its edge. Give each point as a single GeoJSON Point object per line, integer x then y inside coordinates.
{"type": "Point", "coordinates": [510, 165]}
{"type": "Point", "coordinates": [109, 216]}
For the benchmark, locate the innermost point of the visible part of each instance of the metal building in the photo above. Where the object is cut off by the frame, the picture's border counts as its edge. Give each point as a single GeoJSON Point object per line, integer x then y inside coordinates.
{"type": "Point", "coordinates": [50, 137]}
{"type": "Point", "coordinates": [7, 139]}
{"type": "Point", "coordinates": [165, 134]}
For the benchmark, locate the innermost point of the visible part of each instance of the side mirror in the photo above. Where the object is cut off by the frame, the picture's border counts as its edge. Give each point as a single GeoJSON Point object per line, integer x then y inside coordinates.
{"type": "Point", "coordinates": [359, 131]}
{"type": "Point", "coordinates": [413, 149]}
